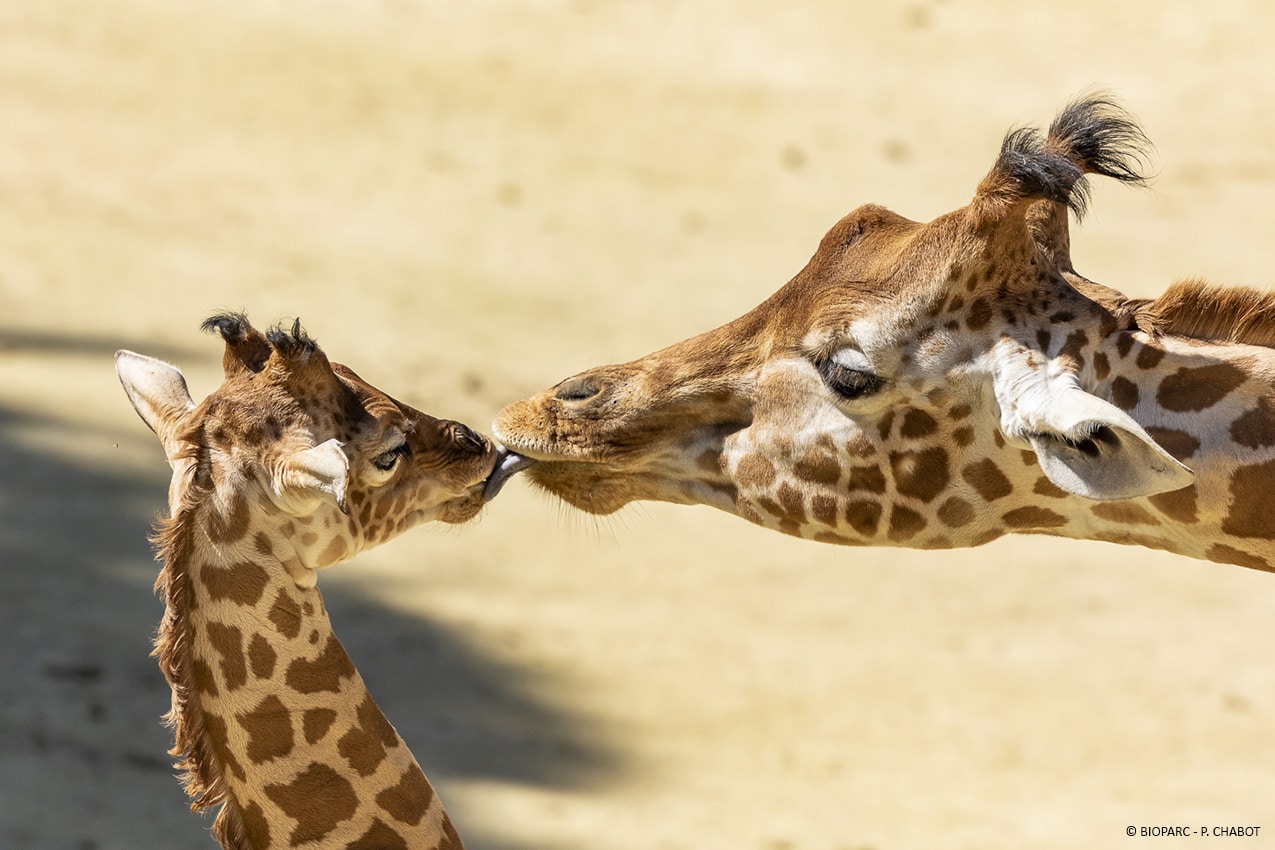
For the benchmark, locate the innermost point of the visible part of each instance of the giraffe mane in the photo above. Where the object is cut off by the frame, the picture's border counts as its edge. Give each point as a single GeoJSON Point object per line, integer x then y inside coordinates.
{"type": "Point", "coordinates": [1195, 309]}
{"type": "Point", "coordinates": [199, 768]}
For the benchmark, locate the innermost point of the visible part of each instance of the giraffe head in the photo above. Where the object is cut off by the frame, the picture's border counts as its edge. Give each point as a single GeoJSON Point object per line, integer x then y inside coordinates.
{"type": "Point", "coordinates": [290, 436]}
{"type": "Point", "coordinates": [908, 368]}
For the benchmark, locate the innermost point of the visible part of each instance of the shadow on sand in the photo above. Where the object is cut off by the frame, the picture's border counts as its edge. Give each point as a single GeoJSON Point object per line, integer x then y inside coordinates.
{"type": "Point", "coordinates": [80, 699]}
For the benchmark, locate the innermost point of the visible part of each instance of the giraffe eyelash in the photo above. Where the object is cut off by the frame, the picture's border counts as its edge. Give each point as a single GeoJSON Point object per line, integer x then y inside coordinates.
{"type": "Point", "coordinates": [386, 461]}
{"type": "Point", "coordinates": [849, 383]}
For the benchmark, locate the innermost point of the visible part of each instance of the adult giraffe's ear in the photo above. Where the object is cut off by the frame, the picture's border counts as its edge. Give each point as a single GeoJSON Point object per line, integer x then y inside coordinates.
{"type": "Point", "coordinates": [159, 395]}
{"type": "Point", "coordinates": [1086, 446]}
{"type": "Point", "coordinates": [305, 478]}
{"type": "Point", "coordinates": [1093, 449]}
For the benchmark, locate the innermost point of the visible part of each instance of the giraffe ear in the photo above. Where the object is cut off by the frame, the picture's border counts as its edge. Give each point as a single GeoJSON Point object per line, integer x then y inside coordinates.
{"type": "Point", "coordinates": [1093, 449]}
{"type": "Point", "coordinates": [315, 474]}
{"type": "Point", "coordinates": [158, 393]}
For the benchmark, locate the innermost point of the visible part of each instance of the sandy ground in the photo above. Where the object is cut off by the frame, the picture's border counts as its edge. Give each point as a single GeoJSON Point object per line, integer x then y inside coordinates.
{"type": "Point", "coordinates": [470, 201]}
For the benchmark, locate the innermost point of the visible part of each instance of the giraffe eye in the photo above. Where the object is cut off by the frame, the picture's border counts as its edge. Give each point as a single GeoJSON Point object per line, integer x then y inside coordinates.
{"type": "Point", "coordinates": [847, 382]}
{"type": "Point", "coordinates": [386, 461]}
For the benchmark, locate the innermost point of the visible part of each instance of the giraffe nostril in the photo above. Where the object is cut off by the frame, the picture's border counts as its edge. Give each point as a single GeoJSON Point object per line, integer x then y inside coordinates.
{"type": "Point", "coordinates": [579, 388]}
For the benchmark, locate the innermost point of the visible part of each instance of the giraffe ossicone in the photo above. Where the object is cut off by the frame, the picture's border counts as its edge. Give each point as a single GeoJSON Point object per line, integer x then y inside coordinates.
{"type": "Point", "coordinates": [941, 384]}
{"type": "Point", "coordinates": [293, 464]}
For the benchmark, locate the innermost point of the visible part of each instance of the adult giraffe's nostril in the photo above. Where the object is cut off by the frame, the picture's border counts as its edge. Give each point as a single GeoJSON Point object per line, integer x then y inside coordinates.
{"type": "Point", "coordinates": [579, 388]}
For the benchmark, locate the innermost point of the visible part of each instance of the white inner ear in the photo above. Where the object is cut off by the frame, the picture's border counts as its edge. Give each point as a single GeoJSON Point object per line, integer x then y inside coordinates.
{"type": "Point", "coordinates": [1085, 445]}
{"type": "Point", "coordinates": [158, 393]}
{"type": "Point", "coordinates": [312, 475]}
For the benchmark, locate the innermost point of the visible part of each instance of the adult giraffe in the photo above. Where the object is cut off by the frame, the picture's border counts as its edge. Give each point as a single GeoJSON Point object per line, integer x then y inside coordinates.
{"type": "Point", "coordinates": [943, 384]}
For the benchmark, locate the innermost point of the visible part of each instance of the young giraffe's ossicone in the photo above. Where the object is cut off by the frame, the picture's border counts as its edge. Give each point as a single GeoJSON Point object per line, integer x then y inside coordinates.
{"type": "Point", "coordinates": [293, 464]}
{"type": "Point", "coordinates": [942, 384]}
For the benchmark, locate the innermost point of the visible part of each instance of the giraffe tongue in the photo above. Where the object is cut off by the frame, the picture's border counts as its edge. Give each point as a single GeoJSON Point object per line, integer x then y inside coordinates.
{"type": "Point", "coordinates": [507, 465]}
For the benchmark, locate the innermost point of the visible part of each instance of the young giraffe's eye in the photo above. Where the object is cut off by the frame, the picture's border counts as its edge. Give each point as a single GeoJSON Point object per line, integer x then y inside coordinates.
{"type": "Point", "coordinates": [846, 374]}
{"type": "Point", "coordinates": [386, 461]}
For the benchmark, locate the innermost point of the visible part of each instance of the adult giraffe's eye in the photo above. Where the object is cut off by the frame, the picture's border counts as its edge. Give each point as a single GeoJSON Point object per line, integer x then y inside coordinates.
{"type": "Point", "coordinates": [386, 461]}
{"type": "Point", "coordinates": [847, 374]}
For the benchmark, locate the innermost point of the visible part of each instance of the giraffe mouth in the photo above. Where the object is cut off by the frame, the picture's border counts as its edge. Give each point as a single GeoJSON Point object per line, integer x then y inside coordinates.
{"type": "Point", "coordinates": [508, 464]}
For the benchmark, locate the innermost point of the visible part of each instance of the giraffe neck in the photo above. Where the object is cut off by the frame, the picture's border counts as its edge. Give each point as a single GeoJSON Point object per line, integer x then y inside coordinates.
{"type": "Point", "coordinates": [271, 716]}
{"type": "Point", "coordinates": [1212, 406]}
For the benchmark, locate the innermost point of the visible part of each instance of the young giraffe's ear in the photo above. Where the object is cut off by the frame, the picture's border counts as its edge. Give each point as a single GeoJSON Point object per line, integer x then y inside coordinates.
{"type": "Point", "coordinates": [158, 393]}
{"type": "Point", "coordinates": [1086, 446]}
{"type": "Point", "coordinates": [312, 475]}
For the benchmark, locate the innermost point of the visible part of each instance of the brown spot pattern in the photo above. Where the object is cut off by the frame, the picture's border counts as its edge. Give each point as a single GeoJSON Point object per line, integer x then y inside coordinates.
{"type": "Point", "coordinates": [1125, 513]}
{"type": "Point", "coordinates": [318, 799]}
{"type": "Point", "coordinates": [409, 799]}
{"type": "Point", "coordinates": [1101, 366]}
{"type": "Point", "coordinates": [1124, 393]}
{"type": "Point", "coordinates": [864, 517]}
{"type": "Point", "coordinates": [905, 523]}
{"type": "Point", "coordinates": [1177, 505]}
{"type": "Point", "coordinates": [216, 729]}
{"type": "Point", "coordinates": [823, 509]}
{"type": "Point", "coordinates": [1180, 444]}
{"type": "Point", "coordinates": [1250, 514]}
{"type": "Point", "coordinates": [860, 446]}
{"type": "Point", "coordinates": [1256, 428]}
{"type": "Point", "coordinates": [1074, 346]}
{"type": "Point", "coordinates": [261, 657]}
{"type": "Point", "coordinates": [255, 824]}
{"type": "Point", "coordinates": [917, 423]}
{"type": "Point", "coordinates": [792, 502]}
{"type": "Point", "coordinates": [979, 315]}
{"type": "Point", "coordinates": [886, 425]}
{"type": "Point", "coordinates": [1149, 357]}
{"type": "Point", "coordinates": [316, 722]}
{"type": "Point", "coordinates": [1045, 487]}
{"type": "Point", "coordinates": [379, 837]}
{"type": "Point", "coordinates": [869, 478]}
{"type": "Point", "coordinates": [1124, 344]}
{"type": "Point", "coordinates": [819, 467]}
{"type": "Point", "coordinates": [1223, 554]}
{"type": "Point", "coordinates": [1197, 389]}
{"type": "Point", "coordinates": [231, 524]}
{"type": "Point", "coordinates": [204, 678]}
{"type": "Point", "coordinates": [963, 436]}
{"type": "Point", "coordinates": [241, 583]}
{"type": "Point", "coordinates": [921, 475]}
{"type": "Point", "coordinates": [755, 472]}
{"type": "Point", "coordinates": [285, 615]}
{"type": "Point", "coordinates": [956, 512]}
{"type": "Point", "coordinates": [1033, 517]}
{"type": "Point", "coordinates": [269, 728]}
{"type": "Point", "coordinates": [365, 744]}
{"type": "Point", "coordinates": [987, 479]}
{"type": "Point", "coordinates": [324, 673]}
{"type": "Point", "coordinates": [228, 643]}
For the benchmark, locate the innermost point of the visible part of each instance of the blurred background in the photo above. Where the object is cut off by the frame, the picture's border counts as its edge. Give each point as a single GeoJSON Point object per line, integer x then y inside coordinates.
{"type": "Point", "coordinates": [467, 202]}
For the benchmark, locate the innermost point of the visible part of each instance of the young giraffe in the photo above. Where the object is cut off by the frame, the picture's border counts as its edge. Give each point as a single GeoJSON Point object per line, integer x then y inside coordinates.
{"type": "Point", "coordinates": [943, 384]}
{"type": "Point", "coordinates": [292, 465]}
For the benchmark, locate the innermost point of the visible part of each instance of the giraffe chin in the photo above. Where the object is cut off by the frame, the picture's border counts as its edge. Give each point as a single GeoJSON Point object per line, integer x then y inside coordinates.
{"type": "Point", "coordinates": [587, 486]}
{"type": "Point", "coordinates": [463, 508]}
